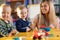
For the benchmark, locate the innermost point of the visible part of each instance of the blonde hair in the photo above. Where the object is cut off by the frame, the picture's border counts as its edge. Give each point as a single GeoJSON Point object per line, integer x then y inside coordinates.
{"type": "Point", "coordinates": [5, 7]}
{"type": "Point", "coordinates": [52, 16]}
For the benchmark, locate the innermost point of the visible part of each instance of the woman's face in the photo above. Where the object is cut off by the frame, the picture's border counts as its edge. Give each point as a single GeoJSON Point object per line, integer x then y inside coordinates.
{"type": "Point", "coordinates": [23, 13]}
{"type": "Point", "coordinates": [5, 14]}
{"type": "Point", "coordinates": [44, 8]}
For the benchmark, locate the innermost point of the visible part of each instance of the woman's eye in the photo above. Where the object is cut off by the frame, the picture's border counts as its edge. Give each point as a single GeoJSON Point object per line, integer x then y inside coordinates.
{"type": "Point", "coordinates": [3, 12]}
{"type": "Point", "coordinates": [25, 12]}
{"type": "Point", "coordinates": [45, 5]}
{"type": "Point", "coordinates": [41, 6]}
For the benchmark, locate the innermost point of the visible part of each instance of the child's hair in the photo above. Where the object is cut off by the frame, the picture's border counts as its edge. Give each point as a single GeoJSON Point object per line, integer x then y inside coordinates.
{"type": "Point", "coordinates": [21, 7]}
{"type": "Point", "coordinates": [5, 5]}
{"type": "Point", "coordinates": [46, 0]}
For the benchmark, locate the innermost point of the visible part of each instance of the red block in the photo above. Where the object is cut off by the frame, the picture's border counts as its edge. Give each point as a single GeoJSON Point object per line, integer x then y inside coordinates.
{"type": "Point", "coordinates": [35, 33]}
{"type": "Point", "coordinates": [42, 26]}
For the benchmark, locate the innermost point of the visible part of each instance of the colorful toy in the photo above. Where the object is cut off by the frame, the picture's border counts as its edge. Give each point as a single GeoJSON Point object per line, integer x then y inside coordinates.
{"type": "Point", "coordinates": [38, 34]}
{"type": "Point", "coordinates": [44, 28]}
{"type": "Point", "coordinates": [35, 33]}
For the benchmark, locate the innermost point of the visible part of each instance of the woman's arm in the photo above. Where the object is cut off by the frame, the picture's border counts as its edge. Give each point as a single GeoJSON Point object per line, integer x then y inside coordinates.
{"type": "Point", "coordinates": [55, 24]}
{"type": "Point", "coordinates": [34, 22]}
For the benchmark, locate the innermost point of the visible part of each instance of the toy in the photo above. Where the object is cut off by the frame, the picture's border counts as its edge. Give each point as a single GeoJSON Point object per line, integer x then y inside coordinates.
{"type": "Point", "coordinates": [38, 34]}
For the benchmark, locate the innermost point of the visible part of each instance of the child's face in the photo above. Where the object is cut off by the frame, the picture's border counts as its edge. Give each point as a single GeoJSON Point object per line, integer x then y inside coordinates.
{"type": "Point", "coordinates": [23, 13]}
{"type": "Point", "coordinates": [5, 13]}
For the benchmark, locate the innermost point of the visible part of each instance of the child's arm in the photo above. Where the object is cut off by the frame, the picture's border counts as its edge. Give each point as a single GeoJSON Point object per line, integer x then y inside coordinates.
{"type": "Point", "coordinates": [19, 27]}
{"type": "Point", "coordinates": [3, 31]}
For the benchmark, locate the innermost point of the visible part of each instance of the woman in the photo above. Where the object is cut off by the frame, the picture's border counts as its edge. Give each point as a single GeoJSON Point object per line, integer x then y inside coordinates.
{"type": "Point", "coordinates": [6, 28]}
{"type": "Point", "coordinates": [22, 24]}
{"type": "Point", "coordinates": [47, 18]}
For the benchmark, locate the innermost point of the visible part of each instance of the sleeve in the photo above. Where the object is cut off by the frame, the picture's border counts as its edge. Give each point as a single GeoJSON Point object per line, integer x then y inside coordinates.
{"type": "Point", "coordinates": [13, 27]}
{"type": "Point", "coordinates": [3, 31]}
{"type": "Point", "coordinates": [19, 27]}
{"type": "Point", "coordinates": [56, 24]}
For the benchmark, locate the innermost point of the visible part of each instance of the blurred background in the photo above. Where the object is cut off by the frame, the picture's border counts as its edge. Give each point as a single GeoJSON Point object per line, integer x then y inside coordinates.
{"type": "Point", "coordinates": [15, 3]}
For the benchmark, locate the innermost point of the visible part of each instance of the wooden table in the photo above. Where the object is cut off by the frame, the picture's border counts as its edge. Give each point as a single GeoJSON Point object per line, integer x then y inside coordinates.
{"type": "Point", "coordinates": [29, 35]}
{"type": "Point", "coordinates": [56, 34]}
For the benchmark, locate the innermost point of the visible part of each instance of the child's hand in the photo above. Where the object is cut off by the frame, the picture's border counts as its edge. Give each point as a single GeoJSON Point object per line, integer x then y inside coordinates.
{"type": "Point", "coordinates": [28, 29]}
{"type": "Point", "coordinates": [12, 33]}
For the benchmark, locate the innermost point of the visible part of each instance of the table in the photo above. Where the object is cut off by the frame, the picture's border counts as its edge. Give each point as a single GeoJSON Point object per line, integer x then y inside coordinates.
{"type": "Point", "coordinates": [28, 35]}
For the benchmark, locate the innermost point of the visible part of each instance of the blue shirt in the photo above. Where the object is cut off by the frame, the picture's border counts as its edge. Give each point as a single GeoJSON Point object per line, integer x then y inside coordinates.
{"type": "Point", "coordinates": [21, 25]}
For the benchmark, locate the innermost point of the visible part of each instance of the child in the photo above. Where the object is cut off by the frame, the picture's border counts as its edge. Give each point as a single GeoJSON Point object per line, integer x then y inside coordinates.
{"type": "Point", "coordinates": [6, 28]}
{"type": "Point", "coordinates": [22, 24]}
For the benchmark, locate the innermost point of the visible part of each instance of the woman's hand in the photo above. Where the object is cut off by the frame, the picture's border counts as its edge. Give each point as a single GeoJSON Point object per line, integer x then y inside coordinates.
{"type": "Point", "coordinates": [52, 26]}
